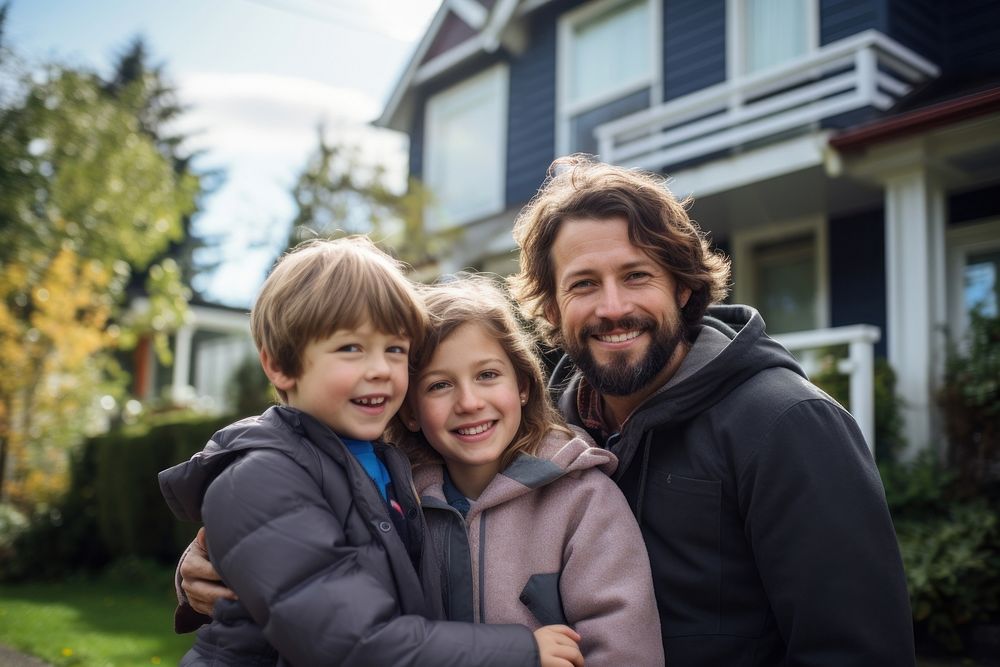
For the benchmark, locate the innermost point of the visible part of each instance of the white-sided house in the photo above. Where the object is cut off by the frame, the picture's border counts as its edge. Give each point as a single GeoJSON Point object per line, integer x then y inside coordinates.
{"type": "Point", "coordinates": [213, 343]}
{"type": "Point", "coordinates": [845, 153]}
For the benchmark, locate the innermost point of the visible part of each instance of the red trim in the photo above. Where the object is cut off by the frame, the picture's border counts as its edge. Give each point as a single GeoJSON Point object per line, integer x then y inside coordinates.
{"type": "Point", "coordinates": [919, 120]}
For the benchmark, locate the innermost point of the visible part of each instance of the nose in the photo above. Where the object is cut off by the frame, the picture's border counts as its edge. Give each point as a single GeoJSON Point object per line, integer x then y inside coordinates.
{"type": "Point", "coordinates": [613, 303]}
{"type": "Point", "coordinates": [468, 400]}
{"type": "Point", "coordinates": [378, 367]}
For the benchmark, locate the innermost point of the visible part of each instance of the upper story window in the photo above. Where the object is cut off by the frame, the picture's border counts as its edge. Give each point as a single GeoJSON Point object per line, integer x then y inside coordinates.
{"type": "Point", "coordinates": [466, 149]}
{"type": "Point", "coordinates": [766, 33]}
{"type": "Point", "coordinates": [607, 67]}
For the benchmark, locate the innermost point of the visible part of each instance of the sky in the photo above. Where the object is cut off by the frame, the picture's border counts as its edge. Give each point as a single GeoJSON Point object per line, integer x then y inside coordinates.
{"type": "Point", "coordinates": [259, 77]}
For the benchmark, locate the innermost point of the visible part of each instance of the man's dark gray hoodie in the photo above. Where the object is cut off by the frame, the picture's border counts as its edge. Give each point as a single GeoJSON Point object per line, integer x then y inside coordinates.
{"type": "Point", "coordinates": [761, 508]}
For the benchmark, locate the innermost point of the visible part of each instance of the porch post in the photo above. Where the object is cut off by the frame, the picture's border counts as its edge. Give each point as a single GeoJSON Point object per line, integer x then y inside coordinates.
{"type": "Point", "coordinates": [182, 362]}
{"type": "Point", "coordinates": [914, 229]}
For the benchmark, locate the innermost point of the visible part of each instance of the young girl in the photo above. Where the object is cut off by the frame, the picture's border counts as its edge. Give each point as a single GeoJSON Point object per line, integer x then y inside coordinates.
{"type": "Point", "coordinates": [526, 523]}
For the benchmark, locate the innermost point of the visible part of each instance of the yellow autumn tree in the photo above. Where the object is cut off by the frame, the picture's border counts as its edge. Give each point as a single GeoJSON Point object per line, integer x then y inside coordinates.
{"type": "Point", "coordinates": [85, 199]}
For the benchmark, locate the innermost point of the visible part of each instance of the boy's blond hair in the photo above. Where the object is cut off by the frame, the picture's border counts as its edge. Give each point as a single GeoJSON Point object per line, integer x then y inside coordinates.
{"type": "Point", "coordinates": [322, 286]}
{"type": "Point", "coordinates": [475, 299]}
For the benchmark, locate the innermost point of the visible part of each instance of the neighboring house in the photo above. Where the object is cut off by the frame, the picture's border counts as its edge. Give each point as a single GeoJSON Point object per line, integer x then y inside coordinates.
{"type": "Point", "coordinates": [845, 153]}
{"type": "Point", "coordinates": [213, 343]}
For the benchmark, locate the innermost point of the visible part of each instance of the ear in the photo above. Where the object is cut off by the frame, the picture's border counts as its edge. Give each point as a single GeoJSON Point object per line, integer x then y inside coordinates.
{"type": "Point", "coordinates": [408, 416]}
{"type": "Point", "coordinates": [551, 313]}
{"type": "Point", "coordinates": [525, 394]}
{"type": "Point", "coordinates": [683, 295]}
{"type": "Point", "coordinates": [277, 376]}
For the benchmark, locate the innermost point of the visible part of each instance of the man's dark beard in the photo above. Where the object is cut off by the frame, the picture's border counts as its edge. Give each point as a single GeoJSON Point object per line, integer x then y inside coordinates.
{"type": "Point", "coordinates": [619, 377]}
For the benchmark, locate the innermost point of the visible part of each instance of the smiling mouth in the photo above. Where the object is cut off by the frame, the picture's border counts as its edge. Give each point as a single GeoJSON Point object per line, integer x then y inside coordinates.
{"type": "Point", "coordinates": [619, 337]}
{"type": "Point", "coordinates": [475, 430]}
{"type": "Point", "coordinates": [373, 401]}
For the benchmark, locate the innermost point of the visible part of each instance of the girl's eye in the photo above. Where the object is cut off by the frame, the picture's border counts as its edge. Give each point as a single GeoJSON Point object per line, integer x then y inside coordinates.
{"type": "Point", "coordinates": [398, 349]}
{"type": "Point", "coordinates": [437, 386]}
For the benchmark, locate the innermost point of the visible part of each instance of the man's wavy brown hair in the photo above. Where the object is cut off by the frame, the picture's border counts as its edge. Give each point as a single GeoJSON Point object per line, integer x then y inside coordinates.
{"type": "Point", "coordinates": [578, 187]}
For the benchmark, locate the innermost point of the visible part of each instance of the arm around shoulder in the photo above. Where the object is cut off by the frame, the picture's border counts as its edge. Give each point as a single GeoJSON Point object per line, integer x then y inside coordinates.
{"type": "Point", "coordinates": [276, 541]}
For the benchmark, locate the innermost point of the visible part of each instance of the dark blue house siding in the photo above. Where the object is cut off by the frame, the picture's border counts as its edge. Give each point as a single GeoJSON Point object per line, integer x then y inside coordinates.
{"type": "Point", "coordinates": [416, 148]}
{"type": "Point", "coordinates": [857, 272]}
{"type": "Point", "coordinates": [531, 122]}
{"type": "Point", "coordinates": [839, 19]}
{"type": "Point", "coordinates": [694, 45]}
{"type": "Point", "coordinates": [842, 18]}
{"type": "Point", "coordinates": [917, 24]}
{"type": "Point", "coordinates": [973, 38]}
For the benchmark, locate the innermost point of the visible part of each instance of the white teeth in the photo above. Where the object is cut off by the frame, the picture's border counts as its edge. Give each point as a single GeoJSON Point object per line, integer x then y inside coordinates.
{"type": "Point", "coordinates": [370, 401]}
{"type": "Point", "coordinates": [619, 338]}
{"type": "Point", "coordinates": [476, 430]}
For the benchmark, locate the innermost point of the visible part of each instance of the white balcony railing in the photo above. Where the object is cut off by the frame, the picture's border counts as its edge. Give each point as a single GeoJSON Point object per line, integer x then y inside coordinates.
{"type": "Point", "coordinates": [865, 70]}
{"type": "Point", "coordinates": [859, 365]}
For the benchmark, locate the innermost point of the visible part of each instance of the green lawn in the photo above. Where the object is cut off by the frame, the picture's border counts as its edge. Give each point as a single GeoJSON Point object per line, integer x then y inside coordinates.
{"type": "Point", "coordinates": [93, 623]}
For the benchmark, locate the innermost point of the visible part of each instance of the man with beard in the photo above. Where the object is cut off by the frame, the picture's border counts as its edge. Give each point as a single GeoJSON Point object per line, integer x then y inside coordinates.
{"type": "Point", "coordinates": [759, 502]}
{"type": "Point", "coordinates": [762, 511]}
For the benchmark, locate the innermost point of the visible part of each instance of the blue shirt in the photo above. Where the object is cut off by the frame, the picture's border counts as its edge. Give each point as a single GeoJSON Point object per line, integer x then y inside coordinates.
{"type": "Point", "coordinates": [364, 452]}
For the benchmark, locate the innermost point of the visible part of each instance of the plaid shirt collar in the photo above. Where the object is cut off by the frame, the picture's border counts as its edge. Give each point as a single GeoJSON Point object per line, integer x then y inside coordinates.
{"type": "Point", "coordinates": [591, 410]}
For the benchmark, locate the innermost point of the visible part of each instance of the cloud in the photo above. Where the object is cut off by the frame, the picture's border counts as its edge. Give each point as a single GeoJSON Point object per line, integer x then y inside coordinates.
{"type": "Point", "coordinates": [260, 129]}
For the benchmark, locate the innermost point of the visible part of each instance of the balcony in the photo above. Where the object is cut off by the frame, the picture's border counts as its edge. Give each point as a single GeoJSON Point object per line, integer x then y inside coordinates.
{"type": "Point", "coordinates": [866, 70]}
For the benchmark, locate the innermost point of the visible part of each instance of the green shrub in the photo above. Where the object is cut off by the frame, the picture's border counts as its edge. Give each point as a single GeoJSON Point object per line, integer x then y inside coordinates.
{"type": "Point", "coordinates": [970, 399]}
{"type": "Point", "coordinates": [952, 566]}
{"type": "Point", "coordinates": [113, 510]}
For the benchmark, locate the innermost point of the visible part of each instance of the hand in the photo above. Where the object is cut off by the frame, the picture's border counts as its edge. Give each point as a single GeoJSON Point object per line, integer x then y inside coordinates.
{"type": "Point", "coordinates": [201, 583]}
{"type": "Point", "coordinates": [557, 646]}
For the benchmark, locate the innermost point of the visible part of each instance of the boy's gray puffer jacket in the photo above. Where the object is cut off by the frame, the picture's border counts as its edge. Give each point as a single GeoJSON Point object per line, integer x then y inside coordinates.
{"type": "Point", "coordinates": [297, 528]}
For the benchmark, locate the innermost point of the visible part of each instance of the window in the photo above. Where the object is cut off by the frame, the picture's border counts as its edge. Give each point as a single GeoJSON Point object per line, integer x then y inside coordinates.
{"type": "Point", "coordinates": [766, 33]}
{"type": "Point", "coordinates": [466, 144]}
{"type": "Point", "coordinates": [607, 67]}
{"type": "Point", "coordinates": [781, 271]}
{"type": "Point", "coordinates": [974, 272]}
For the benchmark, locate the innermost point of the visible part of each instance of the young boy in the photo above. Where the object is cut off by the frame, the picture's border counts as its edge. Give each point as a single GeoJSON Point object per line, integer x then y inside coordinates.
{"type": "Point", "coordinates": [309, 521]}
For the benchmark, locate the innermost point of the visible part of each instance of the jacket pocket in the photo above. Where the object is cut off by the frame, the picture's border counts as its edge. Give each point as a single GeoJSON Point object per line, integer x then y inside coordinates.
{"type": "Point", "coordinates": [682, 524]}
{"type": "Point", "coordinates": [541, 596]}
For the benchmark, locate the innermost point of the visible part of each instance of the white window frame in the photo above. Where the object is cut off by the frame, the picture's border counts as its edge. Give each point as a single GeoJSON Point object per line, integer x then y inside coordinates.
{"type": "Point", "coordinates": [498, 78]}
{"type": "Point", "coordinates": [736, 35]}
{"type": "Point", "coordinates": [968, 239]}
{"type": "Point", "coordinates": [744, 273]}
{"type": "Point", "coordinates": [566, 109]}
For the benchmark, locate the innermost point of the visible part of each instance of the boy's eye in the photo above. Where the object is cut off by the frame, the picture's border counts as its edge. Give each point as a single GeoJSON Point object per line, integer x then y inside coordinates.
{"type": "Point", "coordinates": [350, 347]}
{"type": "Point", "coordinates": [398, 349]}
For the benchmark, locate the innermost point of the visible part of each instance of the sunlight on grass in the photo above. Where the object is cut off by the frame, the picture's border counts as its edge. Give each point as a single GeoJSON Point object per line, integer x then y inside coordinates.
{"type": "Point", "coordinates": [92, 623]}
